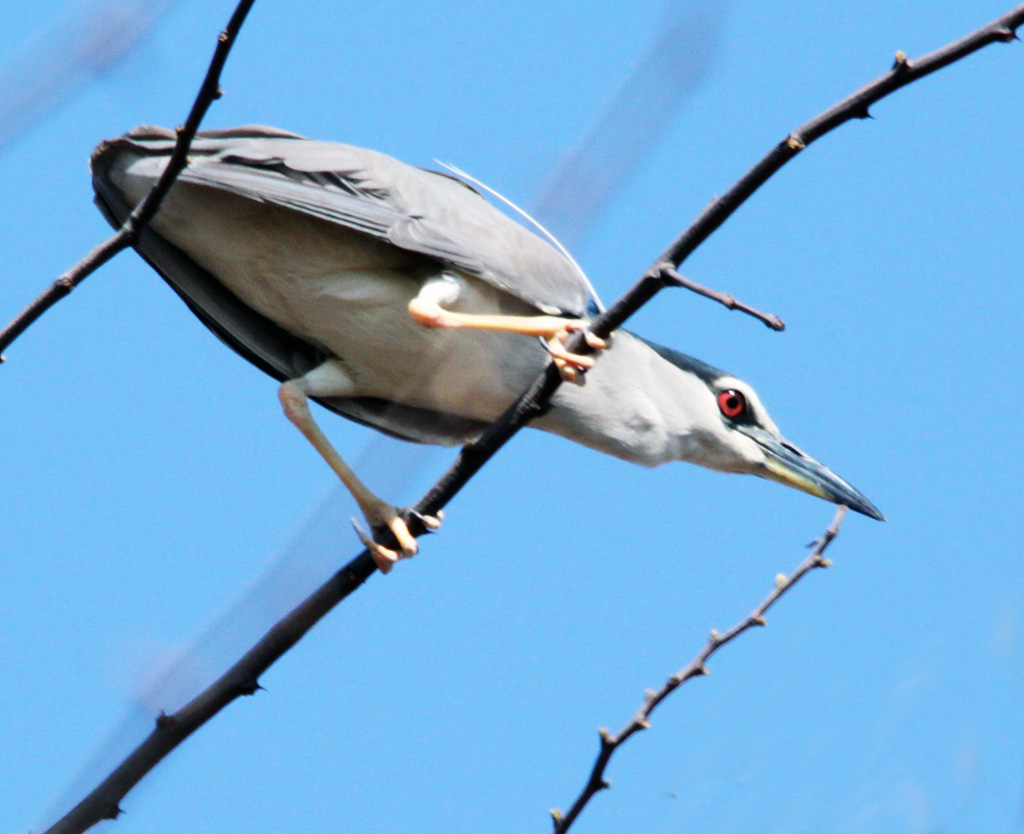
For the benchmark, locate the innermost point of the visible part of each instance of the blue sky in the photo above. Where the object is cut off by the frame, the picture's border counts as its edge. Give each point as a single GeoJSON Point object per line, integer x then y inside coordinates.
{"type": "Point", "coordinates": [150, 478]}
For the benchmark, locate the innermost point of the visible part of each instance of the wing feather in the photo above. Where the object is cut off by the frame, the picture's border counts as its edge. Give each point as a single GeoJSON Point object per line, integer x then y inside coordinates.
{"type": "Point", "coordinates": [420, 211]}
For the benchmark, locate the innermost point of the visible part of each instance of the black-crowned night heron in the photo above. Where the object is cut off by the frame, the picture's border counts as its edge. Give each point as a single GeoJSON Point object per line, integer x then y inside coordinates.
{"type": "Point", "coordinates": [402, 299]}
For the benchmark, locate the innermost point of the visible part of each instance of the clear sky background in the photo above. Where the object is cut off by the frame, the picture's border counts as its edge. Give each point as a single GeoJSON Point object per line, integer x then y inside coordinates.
{"type": "Point", "coordinates": [149, 478]}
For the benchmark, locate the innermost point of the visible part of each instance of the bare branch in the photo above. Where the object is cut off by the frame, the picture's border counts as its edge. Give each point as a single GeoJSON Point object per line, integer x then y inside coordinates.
{"type": "Point", "coordinates": [242, 678]}
{"type": "Point", "coordinates": [695, 668]}
{"type": "Point", "coordinates": [663, 272]}
{"type": "Point", "coordinates": [124, 237]}
{"type": "Point", "coordinates": [855, 106]}
{"type": "Point", "coordinates": [724, 298]}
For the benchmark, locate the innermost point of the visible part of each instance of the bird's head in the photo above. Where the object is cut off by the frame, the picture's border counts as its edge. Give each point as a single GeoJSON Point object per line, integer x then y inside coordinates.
{"type": "Point", "coordinates": [730, 430]}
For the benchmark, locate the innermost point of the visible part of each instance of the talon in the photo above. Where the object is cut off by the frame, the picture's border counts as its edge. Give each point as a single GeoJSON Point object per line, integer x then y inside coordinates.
{"type": "Point", "coordinates": [557, 349]}
{"type": "Point", "coordinates": [569, 373]}
{"type": "Point", "coordinates": [383, 557]}
{"type": "Point", "coordinates": [431, 523]}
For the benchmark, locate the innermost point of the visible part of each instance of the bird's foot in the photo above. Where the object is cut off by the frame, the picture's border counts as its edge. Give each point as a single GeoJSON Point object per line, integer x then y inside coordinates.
{"type": "Point", "coordinates": [387, 523]}
{"type": "Point", "coordinates": [570, 365]}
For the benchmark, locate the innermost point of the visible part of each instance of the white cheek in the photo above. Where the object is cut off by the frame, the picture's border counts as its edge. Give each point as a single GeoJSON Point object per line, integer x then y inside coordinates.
{"type": "Point", "coordinates": [726, 451]}
{"type": "Point", "coordinates": [749, 452]}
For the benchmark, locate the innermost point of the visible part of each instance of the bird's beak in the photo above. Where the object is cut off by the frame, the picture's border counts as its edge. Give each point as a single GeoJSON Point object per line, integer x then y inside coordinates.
{"type": "Point", "coordinates": [788, 465]}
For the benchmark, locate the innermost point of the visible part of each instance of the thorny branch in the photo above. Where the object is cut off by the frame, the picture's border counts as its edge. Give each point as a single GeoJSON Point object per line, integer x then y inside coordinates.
{"type": "Point", "coordinates": [242, 678]}
{"type": "Point", "coordinates": [102, 803]}
{"type": "Point", "coordinates": [124, 237]}
{"type": "Point", "coordinates": [695, 668]}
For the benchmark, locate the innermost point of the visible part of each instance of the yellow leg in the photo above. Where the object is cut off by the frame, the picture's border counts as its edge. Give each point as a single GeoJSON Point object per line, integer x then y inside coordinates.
{"type": "Point", "coordinates": [426, 309]}
{"type": "Point", "coordinates": [378, 513]}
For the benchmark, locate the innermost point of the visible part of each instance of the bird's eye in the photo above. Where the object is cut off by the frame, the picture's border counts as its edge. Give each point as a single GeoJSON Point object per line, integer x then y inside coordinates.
{"type": "Point", "coordinates": [732, 403]}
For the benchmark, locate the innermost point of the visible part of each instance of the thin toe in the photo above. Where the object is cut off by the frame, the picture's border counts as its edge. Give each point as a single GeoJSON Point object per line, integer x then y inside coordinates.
{"type": "Point", "coordinates": [383, 557]}
{"type": "Point", "coordinates": [406, 540]}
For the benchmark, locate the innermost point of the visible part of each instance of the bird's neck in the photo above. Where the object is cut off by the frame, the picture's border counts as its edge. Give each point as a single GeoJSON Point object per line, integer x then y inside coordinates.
{"type": "Point", "coordinates": [635, 405]}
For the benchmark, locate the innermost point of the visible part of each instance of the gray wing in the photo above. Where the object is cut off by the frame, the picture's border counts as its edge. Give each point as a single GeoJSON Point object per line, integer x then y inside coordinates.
{"type": "Point", "coordinates": [420, 211]}
{"type": "Point", "coordinates": [258, 339]}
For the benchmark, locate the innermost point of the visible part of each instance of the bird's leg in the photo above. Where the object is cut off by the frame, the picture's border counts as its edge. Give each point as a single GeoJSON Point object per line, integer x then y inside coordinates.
{"type": "Point", "coordinates": [330, 379]}
{"type": "Point", "coordinates": [426, 309]}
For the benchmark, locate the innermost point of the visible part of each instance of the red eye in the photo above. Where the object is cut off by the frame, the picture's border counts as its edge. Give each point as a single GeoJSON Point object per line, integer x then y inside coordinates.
{"type": "Point", "coordinates": [732, 403]}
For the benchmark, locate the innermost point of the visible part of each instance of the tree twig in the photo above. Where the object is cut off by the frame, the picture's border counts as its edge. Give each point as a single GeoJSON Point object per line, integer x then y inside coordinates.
{"type": "Point", "coordinates": [124, 237]}
{"type": "Point", "coordinates": [102, 803]}
{"type": "Point", "coordinates": [242, 678]}
{"type": "Point", "coordinates": [695, 668]}
{"type": "Point", "coordinates": [724, 298]}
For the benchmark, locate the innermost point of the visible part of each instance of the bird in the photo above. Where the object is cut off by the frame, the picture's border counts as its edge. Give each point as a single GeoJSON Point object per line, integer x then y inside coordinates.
{"type": "Point", "coordinates": [403, 299]}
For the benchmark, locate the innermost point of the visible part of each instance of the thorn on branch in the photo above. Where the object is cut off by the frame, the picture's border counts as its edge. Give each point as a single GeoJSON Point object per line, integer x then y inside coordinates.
{"type": "Point", "coordinates": [163, 720]}
{"type": "Point", "coordinates": [218, 93]}
{"type": "Point", "coordinates": [556, 816]}
{"type": "Point", "coordinates": [824, 563]}
{"type": "Point", "coordinates": [696, 667]}
{"type": "Point", "coordinates": [795, 143]}
{"type": "Point", "coordinates": [1005, 34]}
{"type": "Point", "coordinates": [112, 813]}
{"type": "Point", "coordinates": [605, 785]}
{"type": "Point", "coordinates": [250, 686]}
{"type": "Point", "coordinates": [900, 61]}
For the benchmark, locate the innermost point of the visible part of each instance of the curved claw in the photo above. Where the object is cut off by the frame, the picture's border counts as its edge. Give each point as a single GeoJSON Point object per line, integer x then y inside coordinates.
{"type": "Point", "coordinates": [571, 365]}
{"type": "Point", "coordinates": [386, 557]}
{"type": "Point", "coordinates": [432, 523]}
{"type": "Point", "coordinates": [383, 557]}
